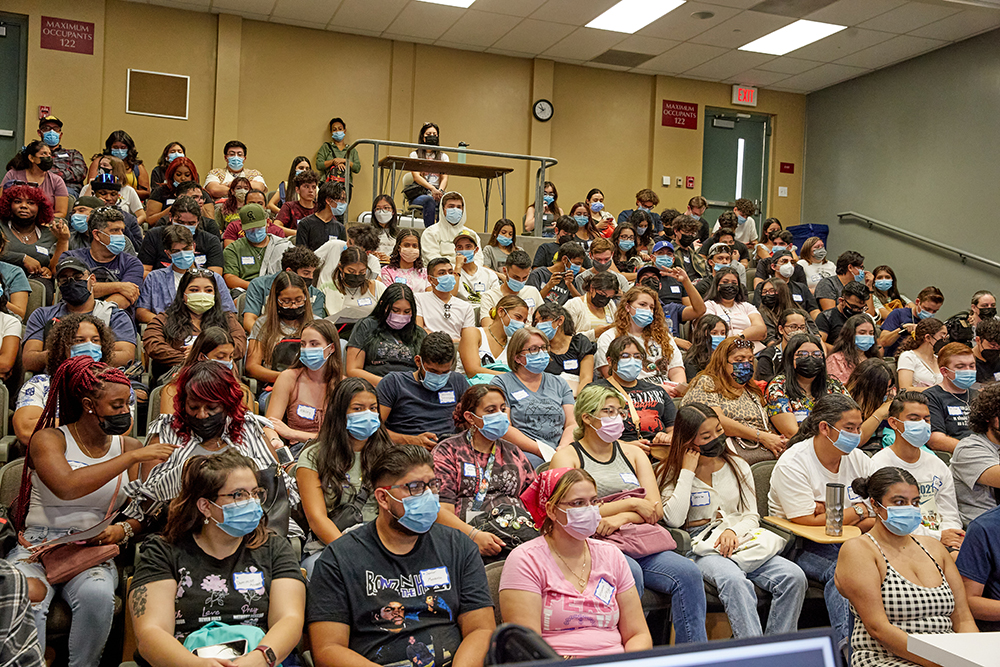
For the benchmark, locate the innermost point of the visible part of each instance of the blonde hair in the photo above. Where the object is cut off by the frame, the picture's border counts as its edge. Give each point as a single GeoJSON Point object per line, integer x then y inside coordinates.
{"type": "Point", "coordinates": [589, 401]}
{"type": "Point", "coordinates": [563, 486]}
{"type": "Point", "coordinates": [517, 342]}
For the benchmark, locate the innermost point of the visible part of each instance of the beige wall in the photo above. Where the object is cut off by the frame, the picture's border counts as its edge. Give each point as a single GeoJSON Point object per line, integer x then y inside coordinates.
{"type": "Point", "coordinates": [275, 87]}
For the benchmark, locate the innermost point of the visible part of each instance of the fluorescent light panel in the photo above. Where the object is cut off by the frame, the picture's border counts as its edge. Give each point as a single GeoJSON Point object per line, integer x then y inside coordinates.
{"type": "Point", "coordinates": [628, 16]}
{"type": "Point", "coordinates": [739, 167]}
{"type": "Point", "coordinates": [791, 37]}
{"type": "Point", "coordinates": [464, 4]}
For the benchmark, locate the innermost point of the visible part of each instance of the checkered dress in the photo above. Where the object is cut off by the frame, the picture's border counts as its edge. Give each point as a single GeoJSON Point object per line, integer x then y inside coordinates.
{"type": "Point", "coordinates": [909, 607]}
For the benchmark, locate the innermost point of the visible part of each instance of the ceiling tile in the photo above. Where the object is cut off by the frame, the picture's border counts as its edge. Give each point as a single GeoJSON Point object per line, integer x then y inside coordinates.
{"type": "Point", "coordinates": [681, 26]}
{"type": "Point", "coordinates": [757, 77]}
{"type": "Point", "coordinates": [306, 10]}
{"type": "Point", "coordinates": [682, 58]}
{"type": "Point", "coordinates": [822, 77]}
{"type": "Point", "coordinates": [788, 65]}
{"type": "Point", "coordinates": [896, 49]}
{"type": "Point", "coordinates": [366, 14]}
{"type": "Point", "coordinates": [841, 44]}
{"type": "Point", "coordinates": [737, 4]}
{"type": "Point", "coordinates": [650, 45]}
{"type": "Point", "coordinates": [728, 64]}
{"type": "Point", "coordinates": [243, 6]}
{"type": "Point", "coordinates": [512, 54]}
{"type": "Point", "coordinates": [425, 20]}
{"type": "Point", "coordinates": [298, 23]}
{"type": "Point", "coordinates": [584, 44]}
{"type": "Point", "coordinates": [970, 22]}
{"type": "Point", "coordinates": [459, 46]}
{"type": "Point", "coordinates": [909, 17]}
{"type": "Point", "coordinates": [742, 29]}
{"type": "Point", "coordinates": [194, 5]}
{"type": "Point", "coordinates": [476, 28]}
{"type": "Point", "coordinates": [406, 38]}
{"type": "Point", "coordinates": [573, 12]}
{"type": "Point", "coordinates": [853, 12]}
{"type": "Point", "coordinates": [354, 31]}
{"type": "Point", "coordinates": [533, 37]}
{"type": "Point", "coordinates": [522, 8]}
{"type": "Point", "coordinates": [617, 68]}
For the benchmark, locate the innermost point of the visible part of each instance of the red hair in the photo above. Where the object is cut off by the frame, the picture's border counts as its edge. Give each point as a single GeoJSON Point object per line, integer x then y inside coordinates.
{"type": "Point", "coordinates": [168, 178]}
{"type": "Point", "coordinates": [209, 382]}
{"type": "Point", "coordinates": [45, 210]}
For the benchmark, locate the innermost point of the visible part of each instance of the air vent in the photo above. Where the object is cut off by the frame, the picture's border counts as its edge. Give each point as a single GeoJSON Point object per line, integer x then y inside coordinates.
{"type": "Point", "coordinates": [792, 8]}
{"type": "Point", "coordinates": [622, 58]}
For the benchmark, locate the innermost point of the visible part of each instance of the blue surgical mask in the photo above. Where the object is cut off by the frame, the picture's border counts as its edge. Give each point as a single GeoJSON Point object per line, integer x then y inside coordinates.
{"type": "Point", "coordinates": [663, 261]}
{"type": "Point", "coordinates": [434, 381]}
{"type": "Point", "coordinates": [864, 342]}
{"type": "Point", "coordinates": [469, 255]}
{"type": "Point", "coordinates": [504, 240]}
{"type": "Point", "coordinates": [312, 358]}
{"type": "Point", "coordinates": [173, 156]}
{"type": "Point", "coordinates": [228, 363]}
{"type": "Point", "coordinates": [191, 228]}
{"type": "Point", "coordinates": [716, 339]}
{"type": "Point", "coordinates": [901, 520]}
{"type": "Point", "coordinates": [255, 235]}
{"type": "Point", "coordinates": [537, 362]}
{"type": "Point", "coordinates": [581, 219]}
{"type": "Point", "coordinates": [740, 219]}
{"type": "Point", "coordinates": [642, 317]}
{"type": "Point", "coordinates": [339, 208]}
{"type": "Point", "coordinates": [575, 268]}
{"type": "Point", "coordinates": [626, 244]}
{"type": "Point", "coordinates": [120, 153]}
{"type": "Point", "coordinates": [240, 521]}
{"type": "Point", "coordinates": [495, 426]}
{"type": "Point", "coordinates": [860, 278]}
{"type": "Point", "coordinates": [116, 243]}
{"type": "Point", "coordinates": [742, 371]}
{"type": "Point", "coordinates": [513, 327]}
{"type": "Point", "coordinates": [964, 379]}
{"type": "Point", "coordinates": [92, 350]}
{"type": "Point", "coordinates": [445, 283]}
{"type": "Point", "coordinates": [453, 215]}
{"type": "Point", "coordinates": [299, 171]}
{"type": "Point", "coordinates": [175, 183]}
{"type": "Point", "coordinates": [917, 433]}
{"type": "Point", "coordinates": [515, 285]}
{"type": "Point", "coordinates": [846, 441]}
{"type": "Point", "coordinates": [235, 162]}
{"type": "Point", "coordinates": [597, 206]}
{"type": "Point", "coordinates": [548, 199]}
{"type": "Point", "coordinates": [420, 512]}
{"type": "Point", "coordinates": [78, 223]}
{"type": "Point", "coordinates": [338, 135]}
{"type": "Point", "coordinates": [547, 328]}
{"type": "Point", "coordinates": [629, 369]}
{"type": "Point", "coordinates": [362, 425]}
{"type": "Point", "coordinates": [923, 314]}
{"type": "Point", "coordinates": [642, 229]}
{"type": "Point", "coordinates": [51, 138]}
{"type": "Point", "coordinates": [182, 259]}
{"type": "Point", "coordinates": [883, 284]}
{"type": "Point", "coordinates": [719, 267]}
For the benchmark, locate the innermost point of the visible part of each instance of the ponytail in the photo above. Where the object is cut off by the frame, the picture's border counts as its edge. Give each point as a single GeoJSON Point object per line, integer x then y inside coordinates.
{"type": "Point", "coordinates": [828, 408]}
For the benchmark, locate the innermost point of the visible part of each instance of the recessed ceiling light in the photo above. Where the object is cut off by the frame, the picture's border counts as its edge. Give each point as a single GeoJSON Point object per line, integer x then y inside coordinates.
{"type": "Point", "coordinates": [464, 4]}
{"type": "Point", "coordinates": [703, 15]}
{"type": "Point", "coordinates": [791, 37]}
{"type": "Point", "coordinates": [631, 15]}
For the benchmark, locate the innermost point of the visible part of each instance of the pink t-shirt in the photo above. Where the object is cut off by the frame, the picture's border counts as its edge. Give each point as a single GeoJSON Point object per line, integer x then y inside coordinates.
{"type": "Point", "coordinates": [738, 316]}
{"type": "Point", "coordinates": [573, 623]}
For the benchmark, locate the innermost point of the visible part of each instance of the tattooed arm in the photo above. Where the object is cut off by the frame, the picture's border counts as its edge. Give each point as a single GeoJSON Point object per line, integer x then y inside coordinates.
{"type": "Point", "coordinates": [152, 609]}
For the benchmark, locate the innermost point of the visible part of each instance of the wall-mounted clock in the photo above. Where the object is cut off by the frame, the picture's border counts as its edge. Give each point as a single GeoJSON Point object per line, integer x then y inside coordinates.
{"type": "Point", "coordinates": [543, 110]}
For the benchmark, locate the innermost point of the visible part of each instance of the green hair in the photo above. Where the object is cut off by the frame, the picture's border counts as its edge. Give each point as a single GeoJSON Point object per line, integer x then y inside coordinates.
{"type": "Point", "coordinates": [589, 401]}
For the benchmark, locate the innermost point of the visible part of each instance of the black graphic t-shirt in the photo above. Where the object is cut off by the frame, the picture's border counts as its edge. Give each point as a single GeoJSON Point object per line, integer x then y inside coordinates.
{"type": "Point", "coordinates": [402, 610]}
{"type": "Point", "coordinates": [653, 405]}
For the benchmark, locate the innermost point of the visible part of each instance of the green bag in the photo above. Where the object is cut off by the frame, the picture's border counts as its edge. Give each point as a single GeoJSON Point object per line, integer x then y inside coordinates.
{"type": "Point", "coordinates": [220, 633]}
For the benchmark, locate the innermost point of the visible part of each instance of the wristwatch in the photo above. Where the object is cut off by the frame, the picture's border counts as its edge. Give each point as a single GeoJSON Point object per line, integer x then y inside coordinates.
{"type": "Point", "coordinates": [862, 513]}
{"type": "Point", "coordinates": [268, 654]}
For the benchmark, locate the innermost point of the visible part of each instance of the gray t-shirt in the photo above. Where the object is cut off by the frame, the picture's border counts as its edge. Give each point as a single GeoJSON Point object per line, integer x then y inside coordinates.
{"type": "Point", "coordinates": [973, 456]}
{"type": "Point", "coordinates": [537, 414]}
{"type": "Point", "coordinates": [829, 288]}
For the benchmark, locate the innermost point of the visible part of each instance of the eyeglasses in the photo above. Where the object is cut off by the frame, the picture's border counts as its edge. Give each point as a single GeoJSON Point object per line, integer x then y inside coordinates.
{"type": "Point", "coordinates": [769, 293]}
{"type": "Point", "coordinates": [794, 330]}
{"type": "Point", "coordinates": [294, 303]}
{"type": "Point", "coordinates": [536, 349]}
{"type": "Point", "coordinates": [577, 504]}
{"type": "Point", "coordinates": [241, 497]}
{"type": "Point", "coordinates": [805, 355]}
{"type": "Point", "coordinates": [202, 273]}
{"type": "Point", "coordinates": [743, 342]}
{"type": "Point", "coordinates": [609, 412]}
{"type": "Point", "coordinates": [418, 487]}
{"type": "Point", "coordinates": [11, 184]}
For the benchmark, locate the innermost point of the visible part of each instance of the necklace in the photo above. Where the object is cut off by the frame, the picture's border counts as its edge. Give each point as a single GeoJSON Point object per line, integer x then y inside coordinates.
{"type": "Point", "coordinates": [581, 580]}
{"type": "Point", "coordinates": [75, 432]}
{"type": "Point", "coordinates": [489, 329]}
{"type": "Point", "coordinates": [26, 238]}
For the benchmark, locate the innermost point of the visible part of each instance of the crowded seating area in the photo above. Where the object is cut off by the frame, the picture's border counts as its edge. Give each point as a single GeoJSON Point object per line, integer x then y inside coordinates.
{"type": "Point", "coordinates": [330, 439]}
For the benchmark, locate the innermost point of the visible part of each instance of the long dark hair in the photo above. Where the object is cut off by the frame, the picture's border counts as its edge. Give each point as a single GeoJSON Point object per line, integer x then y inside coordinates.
{"type": "Point", "coordinates": [404, 234]}
{"type": "Point", "coordinates": [497, 228]}
{"type": "Point", "coordinates": [423, 153]}
{"type": "Point", "coordinates": [20, 160]}
{"type": "Point", "coordinates": [232, 205]}
{"type": "Point", "coordinates": [924, 328]}
{"type": "Point", "coordinates": [177, 325]}
{"type": "Point", "coordinates": [333, 368]}
{"type": "Point", "coordinates": [621, 256]}
{"type": "Point", "coordinates": [891, 294]}
{"type": "Point", "coordinates": [785, 302]}
{"type": "Point", "coordinates": [132, 157]}
{"type": "Point", "coordinates": [291, 194]}
{"type": "Point", "coordinates": [877, 484]}
{"type": "Point", "coordinates": [713, 291]}
{"type": "Point", "coordinates": [827, 409]}
{"type": "Point", "coordinates": [269, 333]}
{"type": "Point", "coordinates": [701, 341]}
{"type": "Point", "coordinates": [392, 227]}
{"type": "Point", "coordinates": [161, 162]}
{"type": "Point", "coordinates": [792, 387]}
{"type": "Point", "coordinates": [642, 215]}
{"type": "Point", "coordinates": [336, 456]}
{"type": "Point", "coordinates": [393, 293]}
{"type": "Point", "coordinates": [845, 340]}
{"type": "Point", "coordinates": [686, 424]}
{"type": "Point", "coordinates": [870, 384]}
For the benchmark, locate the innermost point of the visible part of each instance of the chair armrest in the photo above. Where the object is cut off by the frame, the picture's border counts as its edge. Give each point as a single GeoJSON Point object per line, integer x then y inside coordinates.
{"type": "Point", "coordinates": [682, 538]}
{"type": "Point", "coordinates": [5, 445]}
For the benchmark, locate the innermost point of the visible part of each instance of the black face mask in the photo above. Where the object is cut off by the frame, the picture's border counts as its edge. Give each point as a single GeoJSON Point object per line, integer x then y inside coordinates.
{"type": "Point", "coordinates": [990, 356]}
{"type": "Point", "coordinates": [809, 367]}
{"type": "Point", "coordinates": [601, 267]}
{"type": "Point", "coordinates": [652, 283]}
{"type": "Point", "coordinates": [713, 448]}
{"type": "Point", "coordinates": [687, 240]}
{"type": "Point", "coordinates": [851, 312]}
{"type": "Point", "coordinates": [354, 280]}
{"type": "Point", "coordinates": [987, 313]}
{"type": "Point", "coordinates": [601, 300]}
{"type": "Point", "coordinates": [115, 424]}
{"type": "Point", "coordinates": [939, 344]}
{"type": "Point", "coordinates": [289, 314]}
{"type": "Point", "coordinates": [45, 163]}
{"type": "Point", "coordinates": [74, 292]}
{"type": "Point", "coordinates": [431, 140]}
{"type": "Point", "coordinates": [769, 300]}
{"type": "Point", "coordinates": [728, 291]}
{"type": "Point", "coordinates": [209, 427]}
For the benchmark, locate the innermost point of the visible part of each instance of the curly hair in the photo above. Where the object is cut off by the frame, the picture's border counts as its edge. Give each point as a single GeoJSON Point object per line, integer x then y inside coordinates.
{"type": "Point", "coordinates": [45, 210]}
{"type": "Point", "coordinates": [209, 382]}
{"type": "Point", "coordinates": [924, 328]}
{"type": "Point", "coordinates": [470, 401]}
{"type": "Point", "coordinates": [168, 177]}
{"type": "Point", "coordinates": [60, 339]}
{"type": "Point", "coordinates": [657, 331]}
{"type": "Point", "coordinates": [984, 409]}
{"type": "Point", "coordinates": [404, 234]}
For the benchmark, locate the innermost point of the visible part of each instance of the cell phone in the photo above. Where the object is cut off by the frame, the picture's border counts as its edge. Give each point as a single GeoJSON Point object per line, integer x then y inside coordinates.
{"type": "Point", "coordinates": [284, 455]}
{"type": "Point", "coordinates": [233, 649]}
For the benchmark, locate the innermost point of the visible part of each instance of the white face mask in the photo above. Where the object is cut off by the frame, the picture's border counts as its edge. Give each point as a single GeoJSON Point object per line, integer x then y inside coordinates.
{"type": "Point", "coordinates": [383, 217]}
{"type": "Point", "coordinates": [786, 270]}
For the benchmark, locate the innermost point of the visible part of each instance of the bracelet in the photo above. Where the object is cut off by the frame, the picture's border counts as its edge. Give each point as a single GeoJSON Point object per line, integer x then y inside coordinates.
{"type": "Point", "coordinates": [472, 535]}
{"type": "Point", "coordinates": [756, 436]}
{"type": "Point", "coordinates": [129, 533]}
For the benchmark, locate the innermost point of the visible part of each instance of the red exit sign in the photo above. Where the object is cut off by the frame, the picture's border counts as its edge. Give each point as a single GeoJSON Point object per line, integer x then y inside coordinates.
{"type": "Point", "coordinates": [744, 95]}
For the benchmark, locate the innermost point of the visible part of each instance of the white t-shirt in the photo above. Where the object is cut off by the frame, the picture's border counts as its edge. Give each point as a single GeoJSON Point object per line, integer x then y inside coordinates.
{"type": "Point", "coordinates": [530, 295]}
{"type": "Point", "coordinates": [433, 179]}
{"type": "Point", "coordinates": [816, 272]}
{"type": "Point", "coordinates": [653, 353]}
{"type": "Point", "coordinates": [799, 480]}
{"type": "Point", "coordinates": [9, 326]}
{"type": "Point", "coordinates": [472, 286]}
{"type": "Point", "coordinates": [738, 317]}
{"type": "Point", "coordinates": [745, 233]}
{"type": "Point", "coordinates": [461, 314]}
{"type": "Point", "coordinates": [922, 375]}
{"type": "Point", "coordinates": [938, 504]}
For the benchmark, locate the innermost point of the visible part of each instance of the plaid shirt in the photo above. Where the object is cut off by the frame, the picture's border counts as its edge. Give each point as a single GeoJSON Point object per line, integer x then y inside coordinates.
{"type": "Point", "coordinates": [19, 646]}
{"type": "Point", "coordinates": [72, 168]}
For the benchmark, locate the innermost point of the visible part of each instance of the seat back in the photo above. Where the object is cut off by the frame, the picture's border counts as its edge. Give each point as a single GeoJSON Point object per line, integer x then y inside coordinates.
{"type": "Point", "coordinates": [36, 299]}
{"type": "Point", "coordinates": [762, 481]}
{"type": "Point", "coordinates": [493, 572]}
{"type": "Point", "coordinates": [10, 481]}
{"type": "Point", "coordinates": [241, 301]}
{"type": "Point", "coordinates": [153, 412]}
{"type": "Point", "coordinates": [944, 456]}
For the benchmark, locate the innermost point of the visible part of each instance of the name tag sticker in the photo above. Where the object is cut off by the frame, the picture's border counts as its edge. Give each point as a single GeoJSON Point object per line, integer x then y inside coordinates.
{"type": "Point", "coordinates": [306, 412]}
{"type": "Point", "coordinates": [530, 302]}
{"type": "Point", "coordinates": [676, 289]}
{"type": "Point", "coordinates": [199, 260]}
{"type": "Point", "coordinates": [630, 478]}
{"type": "Point", "coordinates": [468, 469]}
{"type": "Point", "coordinates": [797, 297]}
{"type": "Point", "coordinates": [700, 498]}
{"type": "Point", "coordinates": [400, 279]}
{"type": "Point", "coordinates": [800, 415]}
{"type": "Point", "coordinates": [571, 365]}
{"type": "Point", "coordinates": [365, 301]}
{"type": "Point", "coordinates": [853, 497]}
{"type": "Point", "coordinates": [520, 395]}
{"type": "Point", "coordinates": [479, 287]}
{"type": "Point", "coordinates": [333, 237]}
{"type": "Point", "coordinates": [42, 249]}
{"type": "Point", "coordinates": [604, 591]}
{"type": "Point", "coordinates": [435, 577]}
{"type": "Point", "coordinates": [609, 318]}
{"type": "Point", "coordinates": [446, 397]}
{"type": "Point", "coordinates": [248, 581]}
{"type": "Point", "coordinates": [956, 410]}
{"type": "Point", "coordinates": [169, 202]}
{"type": "Point", "coordinates": [247, 261]}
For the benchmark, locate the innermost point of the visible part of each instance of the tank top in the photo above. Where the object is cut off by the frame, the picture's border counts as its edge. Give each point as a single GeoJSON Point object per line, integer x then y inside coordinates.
{"type": "Point", "coordinates": [301, 416]}
{"type": "Point", "coordinates": [47, 509]}
{"type": "Point", "coordinates": [486, 355]}
{"type": "Point", "coordinates": [612, 476]}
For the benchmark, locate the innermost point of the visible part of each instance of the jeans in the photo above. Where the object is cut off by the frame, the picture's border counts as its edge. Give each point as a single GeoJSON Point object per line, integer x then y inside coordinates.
{"type": "Point", "coordinates": [819, 562]}
{"type": "Point", "coordinates": [783, 579]}
{"type": "Point", "coordinates": [90, 595]}
{"type": "Point", "coordinates": [672, 574]}
{"type": "Point", "coordinates": [430, 206]}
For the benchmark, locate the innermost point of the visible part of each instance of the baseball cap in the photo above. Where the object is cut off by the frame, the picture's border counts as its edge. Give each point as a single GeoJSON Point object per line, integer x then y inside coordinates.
{"type": "Point", "coordinates": [71, 263]}
{"type": "Point", "coordinates": [646, 271]}
{"type": "Point", "coordinates": [253, 216]}
{"type": "Point", "coordinates": [661, 245]}
{"type": "Point", "coordinates": [50, 119]}
{"type": "Point", "coordinates": [89, 202]}
{"type": "Point", "coordinates": [469, 234]}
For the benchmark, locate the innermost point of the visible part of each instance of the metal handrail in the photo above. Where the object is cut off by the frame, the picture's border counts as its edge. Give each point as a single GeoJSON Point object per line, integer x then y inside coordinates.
{"type": "Point", "coordinates": [545, 163]}
{"type": "Point", "coordinates": [872, 222]}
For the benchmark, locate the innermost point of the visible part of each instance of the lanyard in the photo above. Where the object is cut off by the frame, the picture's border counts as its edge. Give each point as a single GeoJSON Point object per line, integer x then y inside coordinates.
{"type": "Point", "coordinates": [484, 477]}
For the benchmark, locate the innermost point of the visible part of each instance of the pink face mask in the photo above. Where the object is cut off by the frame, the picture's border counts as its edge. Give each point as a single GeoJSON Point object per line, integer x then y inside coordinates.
{"type": "Point", "coordinates": [409, 254]}
{"type": "Point", "coordinates": [582, 522]}
{"type": "Point", "coordinates": [611, 428]}
{"type": "Point", "coordinates": [397, 320]}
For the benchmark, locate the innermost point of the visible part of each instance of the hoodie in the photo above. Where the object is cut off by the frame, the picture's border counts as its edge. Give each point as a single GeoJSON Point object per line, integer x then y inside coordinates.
{"type": "Point", "coordinates": [438, 240]}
